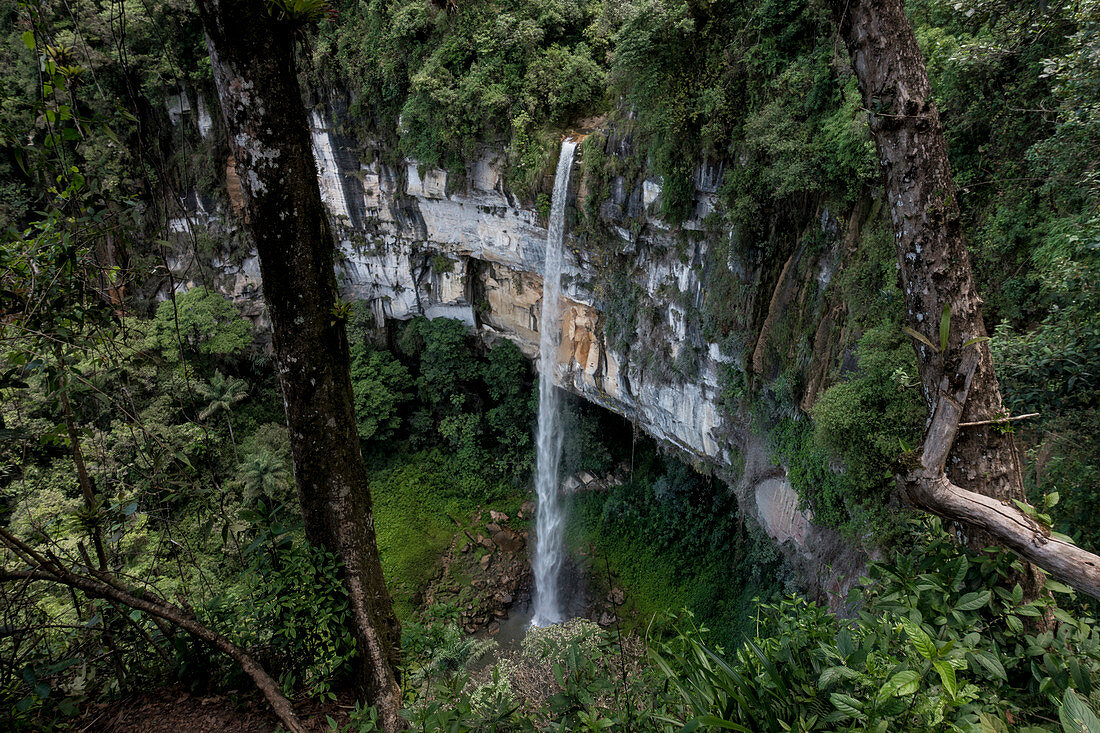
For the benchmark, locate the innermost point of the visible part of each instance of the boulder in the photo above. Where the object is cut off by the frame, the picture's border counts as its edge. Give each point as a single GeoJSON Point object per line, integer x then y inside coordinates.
{"type": "Point", "coordinates": [508, 541]}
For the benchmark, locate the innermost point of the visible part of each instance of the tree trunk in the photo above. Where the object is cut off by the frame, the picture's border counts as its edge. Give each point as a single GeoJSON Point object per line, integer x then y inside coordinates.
{"type": "Point", "coordinates": [970, 475]}
{"type": "Point", "coordinates": [252, 55]}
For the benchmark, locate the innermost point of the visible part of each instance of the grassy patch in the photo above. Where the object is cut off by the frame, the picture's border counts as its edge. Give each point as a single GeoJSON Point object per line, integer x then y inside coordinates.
{"type": "Point", "coordinates": [416, 495]}
{"type": "Point", "coordinates": [674, 539]}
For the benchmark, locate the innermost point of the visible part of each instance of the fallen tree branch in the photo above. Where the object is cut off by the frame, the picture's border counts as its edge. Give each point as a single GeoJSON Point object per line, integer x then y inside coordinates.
{"type": "Point", "coordinates": [997, 421]}
{"type": "Point", "coordinates": [928, 487]}
{"type": "Point", "coordinates": [1012, 528]}
{"type": "Point", "coordinates": [156, 607]}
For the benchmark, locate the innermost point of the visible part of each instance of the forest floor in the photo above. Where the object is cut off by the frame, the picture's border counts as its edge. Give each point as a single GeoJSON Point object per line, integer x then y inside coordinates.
{"type": "Point", "coordinates": [484, 574]}
{"type": "Point", "coordinates": [175, 710]}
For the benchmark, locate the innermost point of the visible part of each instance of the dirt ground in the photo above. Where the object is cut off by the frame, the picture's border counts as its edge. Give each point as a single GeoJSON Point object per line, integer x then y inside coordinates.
{"type": "Point", "coordinates": [175, 710]}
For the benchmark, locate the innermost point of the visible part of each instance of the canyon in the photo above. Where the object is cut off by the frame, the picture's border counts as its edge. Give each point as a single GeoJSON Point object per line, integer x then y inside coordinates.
{"type": "Point", "coordinates": [419, 241]}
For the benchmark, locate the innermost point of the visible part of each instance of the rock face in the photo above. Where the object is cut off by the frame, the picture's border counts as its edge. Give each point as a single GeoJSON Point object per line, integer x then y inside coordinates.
{"type": "Point", "coordinates": [413, 242]}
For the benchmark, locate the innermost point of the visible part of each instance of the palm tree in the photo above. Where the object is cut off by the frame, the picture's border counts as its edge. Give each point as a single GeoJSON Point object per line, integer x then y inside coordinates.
{"type": "Point", "coordinates": [222, 393]}
{"type": "Point", "coordinates": [263, 472]}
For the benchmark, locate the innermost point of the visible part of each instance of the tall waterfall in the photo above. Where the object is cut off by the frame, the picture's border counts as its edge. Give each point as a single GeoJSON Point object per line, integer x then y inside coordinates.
{"type": "Point", "coordinates": [550, 519]}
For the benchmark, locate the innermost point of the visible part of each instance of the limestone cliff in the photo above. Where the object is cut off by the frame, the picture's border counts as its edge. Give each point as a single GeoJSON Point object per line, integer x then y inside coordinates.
{"type": "Point", "coordinates": [413, 241]}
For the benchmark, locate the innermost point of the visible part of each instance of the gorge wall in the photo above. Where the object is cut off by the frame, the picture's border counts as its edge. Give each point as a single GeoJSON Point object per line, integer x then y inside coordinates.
{"type": "Point", "coordinates": [419, 241]}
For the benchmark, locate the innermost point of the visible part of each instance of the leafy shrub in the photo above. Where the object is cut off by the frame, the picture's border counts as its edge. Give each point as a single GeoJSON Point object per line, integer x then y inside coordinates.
{"type": "Point", "coordinates": [296, 609]}
{"type": "Point", "coordinates": [940, 643]}
{"type": "Point", "coordinates": [865, 422]}
{"type": "Point", "coordinates": [438, 647]}
{"type": "Point", "coordinates": [445, 360]}
{"type": "Point", "coordinates": [382, 387]}
{"type": "Point", "coordinates": [199, 322]}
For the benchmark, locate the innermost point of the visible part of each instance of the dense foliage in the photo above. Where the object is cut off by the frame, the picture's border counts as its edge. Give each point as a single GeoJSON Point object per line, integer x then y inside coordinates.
{"type": "Point", "coordinates": [677, 539]}
{"type": "Point", "coordinates": [940, 642]}
{"type": "Point", "coordinates": [451, 77]}
{"type": "Point", "coordinates": [173, 406]}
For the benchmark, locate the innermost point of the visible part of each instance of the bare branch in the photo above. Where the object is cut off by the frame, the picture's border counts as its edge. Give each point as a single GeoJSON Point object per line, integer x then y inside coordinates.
{"type": "Point", "coordinates": [97, 588]}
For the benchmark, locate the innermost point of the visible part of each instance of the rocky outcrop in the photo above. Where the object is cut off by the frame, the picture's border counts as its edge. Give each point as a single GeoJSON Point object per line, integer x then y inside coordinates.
{"type": "Point", "coordinates": [415, 242]}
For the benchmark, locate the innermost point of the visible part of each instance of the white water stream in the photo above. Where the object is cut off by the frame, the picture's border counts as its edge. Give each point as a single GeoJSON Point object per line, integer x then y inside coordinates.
{"type": "Point", "coordinates": [550, 517]}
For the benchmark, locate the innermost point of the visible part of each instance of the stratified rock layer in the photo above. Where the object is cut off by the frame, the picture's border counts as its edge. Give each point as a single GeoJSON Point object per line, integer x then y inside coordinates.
{"type": "Point", "coordinates": [414, 243]}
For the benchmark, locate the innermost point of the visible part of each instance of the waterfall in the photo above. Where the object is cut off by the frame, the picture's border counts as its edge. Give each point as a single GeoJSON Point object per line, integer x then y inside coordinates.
{"type": "Point", "coordinates": [550, 519]}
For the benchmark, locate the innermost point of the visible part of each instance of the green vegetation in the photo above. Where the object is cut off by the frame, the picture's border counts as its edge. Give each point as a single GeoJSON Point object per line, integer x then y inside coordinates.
{"type": "Point", "coordinates": [197, 323]}
{"type": "Point", "coordinates": [940, 642]}
{"type": "Point", "coordinates": [867, 420]}
{"type": "Point", "coordinates": [478, 403]}
{"type": "Point", "coordinates": [752, 82]}
{"type": "Point", "coordinates": [195, 474]}
{"type": "Point", "coordinates": [382, 388]}
{"type": "Point", "coordinates": [176, 413]}
{"type": "Point", "coordinates": [675, 539]}
{"type": "Point", "coordinates": [419, 498]}
{"type": "Point", "coordinates": [449, 77]}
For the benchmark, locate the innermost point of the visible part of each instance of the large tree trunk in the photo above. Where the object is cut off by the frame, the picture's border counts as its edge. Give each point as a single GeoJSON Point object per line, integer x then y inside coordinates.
{"type": "Point", "coordinates": [968, 475]}
{"type": "Point", "coordinates": [253, 59]}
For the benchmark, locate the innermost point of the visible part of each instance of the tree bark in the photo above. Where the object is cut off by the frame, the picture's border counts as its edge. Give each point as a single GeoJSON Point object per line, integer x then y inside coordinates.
{"type": "Point", "coordinates": [972, 476]}
{"type": "Point", "coordinates": [252, 55]}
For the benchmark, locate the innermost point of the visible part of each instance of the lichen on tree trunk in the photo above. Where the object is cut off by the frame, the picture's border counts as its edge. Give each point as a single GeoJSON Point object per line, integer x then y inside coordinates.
{"type": "Point", "coordinates": [252, 54]}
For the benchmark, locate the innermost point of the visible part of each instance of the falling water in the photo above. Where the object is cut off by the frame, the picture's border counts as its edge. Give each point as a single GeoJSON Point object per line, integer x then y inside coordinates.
{"type": "Point", "coordinates": [550, 520]}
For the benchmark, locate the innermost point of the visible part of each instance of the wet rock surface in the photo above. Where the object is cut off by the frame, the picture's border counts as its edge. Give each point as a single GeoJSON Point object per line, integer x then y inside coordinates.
{"type": "Point", "coordinates": [485, 572]}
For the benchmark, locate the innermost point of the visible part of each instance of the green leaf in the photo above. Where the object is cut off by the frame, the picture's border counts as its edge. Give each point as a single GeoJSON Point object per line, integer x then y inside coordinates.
{"type": "Point", "coordinates": [923, 643]}
{"type": "Point", "coordinates": [991, 663]}
{"type": "Point", "coordinates": [847, 705]}
{"type": "Point", "coordinates": [920, 337]}
{"type": "Point", "coordinates": [28, 40]}
{"type": "Point", "coordinates": [945, 326]}
{"type": "Point", "coordinates": [1076, 715]}
{"type": "Point", "coordinates": [901, 684]}
{"type": "Point", "coordinates": [947, 677]}
{"type": "Point", "coordinates": [1025, 508]}
{"type": "Point", "coordinates": [716, 722]}
{"type": "Point", "coordinates": [1055, 587]}
{"type": "Point", "coordinates": [973, 601]}
{"type": "Point", "coordinates": [1064, 617]}
{"type": "Point", "coordinates": [975, 340]}
{"type": "Point", "coordinates": [844, 643]}
{"type": "Point", "coordinates": [834, 674]}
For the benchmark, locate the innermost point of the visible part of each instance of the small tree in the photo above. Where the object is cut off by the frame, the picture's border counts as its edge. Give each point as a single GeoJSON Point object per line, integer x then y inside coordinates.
{"type": "Point", "coordinates": [263, 472]}
{"type": "Point", "coordinates": [199, 322]}
{"type": "Point", "coordinates": [222, 393]}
